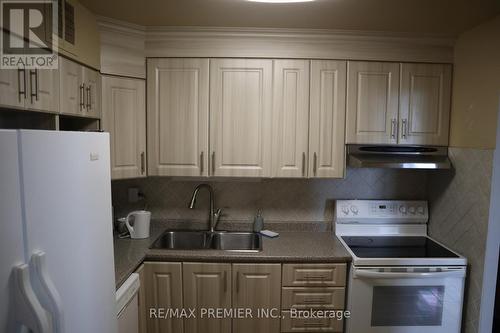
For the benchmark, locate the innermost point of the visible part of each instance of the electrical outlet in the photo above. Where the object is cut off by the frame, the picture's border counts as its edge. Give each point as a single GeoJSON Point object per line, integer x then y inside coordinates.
{"type": "Point", "coordinates": [134, 194]}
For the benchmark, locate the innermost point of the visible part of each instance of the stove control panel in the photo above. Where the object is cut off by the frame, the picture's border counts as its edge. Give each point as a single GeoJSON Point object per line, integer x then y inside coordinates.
{"type": "Point", "coordinates": [381, 211]}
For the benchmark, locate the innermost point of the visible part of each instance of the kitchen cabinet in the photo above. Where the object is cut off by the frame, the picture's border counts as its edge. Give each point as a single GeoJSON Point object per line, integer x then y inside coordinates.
{"type": "Point", "coordinates": [143, 311]}
{"type": "Point", "coordinates": [33, 89]}
{"type": "Point", "coordinates": [327, 119]}
{"type": "Point", "coordinates": [163, 291]}
{"type": "Point", "coordinates": [392, 103]}
{"type": "Point", "coordinates": [80, 93]}
{"type": "Point", "coordinates": [241, 117]}
{"type": "Point", "coordinates": [178, 117]}
{"type": "Point", "coordinates": [372, 102]}
{"type": "Point", "coordinates": [257, 287]}
{"type": "Point", "coordinates": [425, 104]}
{"type": "Point", "coordinates": [124, 117]}
{"type": "Point", "coordinates": [207, 286]}
{"type": "Point", "coordinates": [290, 118]}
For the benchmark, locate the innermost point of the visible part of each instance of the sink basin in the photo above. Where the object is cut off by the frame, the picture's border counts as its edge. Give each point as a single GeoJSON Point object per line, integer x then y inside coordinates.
{"type": "Point", "coordinates": [202, 240]}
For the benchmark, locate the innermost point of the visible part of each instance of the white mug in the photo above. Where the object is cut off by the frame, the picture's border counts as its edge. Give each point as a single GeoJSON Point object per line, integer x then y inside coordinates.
{"type": "Point", "coordinates": [142, 219]}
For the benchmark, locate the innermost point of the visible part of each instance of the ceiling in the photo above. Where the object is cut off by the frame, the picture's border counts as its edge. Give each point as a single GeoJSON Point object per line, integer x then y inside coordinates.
{"type": "Point", "coordinates": [446, 17]}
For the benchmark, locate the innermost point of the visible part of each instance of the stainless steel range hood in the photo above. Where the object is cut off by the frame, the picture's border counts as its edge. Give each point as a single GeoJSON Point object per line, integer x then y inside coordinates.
{"type": "Point", "coordinates": [397, 157]}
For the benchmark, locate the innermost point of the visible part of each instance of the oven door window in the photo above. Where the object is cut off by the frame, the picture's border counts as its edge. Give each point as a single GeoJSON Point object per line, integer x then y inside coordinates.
{"type": "Point", "coordinates": [407, 305]}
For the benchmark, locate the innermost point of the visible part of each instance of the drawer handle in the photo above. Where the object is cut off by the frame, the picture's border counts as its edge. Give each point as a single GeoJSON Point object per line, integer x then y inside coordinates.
{"type": "Point", "coordinates": [314, 277]}
{"type": "Point", "coordinates": [313, 324]}
{"type": "Point", "coordinates": [314, 300]}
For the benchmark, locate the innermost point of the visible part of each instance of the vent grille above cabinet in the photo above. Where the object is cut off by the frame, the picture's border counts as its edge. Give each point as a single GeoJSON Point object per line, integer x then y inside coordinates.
{"type": "Point", "coordinates": [69, 23]}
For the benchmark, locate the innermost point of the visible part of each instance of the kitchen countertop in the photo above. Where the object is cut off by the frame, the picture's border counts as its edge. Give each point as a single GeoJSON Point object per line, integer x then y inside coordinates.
{"type": "Point", "coordinates": [290, 246]}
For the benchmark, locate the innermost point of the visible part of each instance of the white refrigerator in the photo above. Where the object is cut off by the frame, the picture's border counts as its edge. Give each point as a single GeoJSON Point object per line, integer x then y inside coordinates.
{"type": "Point", "coordinates": [56, 242]}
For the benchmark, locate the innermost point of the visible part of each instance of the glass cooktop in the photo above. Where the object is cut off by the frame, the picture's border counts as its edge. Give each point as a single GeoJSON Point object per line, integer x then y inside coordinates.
{"type": "Point", "coordinates": [396, 247]}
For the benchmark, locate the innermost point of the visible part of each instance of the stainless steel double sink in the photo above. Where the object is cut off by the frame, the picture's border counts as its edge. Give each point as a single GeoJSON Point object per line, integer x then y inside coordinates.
{"type": "Point", "coordinates": [203, 240]}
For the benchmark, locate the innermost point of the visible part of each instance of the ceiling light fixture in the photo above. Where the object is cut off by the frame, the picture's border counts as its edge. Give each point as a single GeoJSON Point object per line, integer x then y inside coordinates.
{"type": "Point", "coordinates": [281, 1]}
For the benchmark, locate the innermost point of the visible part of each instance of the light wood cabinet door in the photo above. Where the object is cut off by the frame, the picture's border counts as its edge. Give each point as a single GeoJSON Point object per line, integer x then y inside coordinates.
{"type": "Point", "coordinates": [425, 104]}
{"type": "Point", "coordinates": [257, 287]}
{"type": "Point", "coordinates": [13, 85]}
{"type": "Point", "coordinates": [240, 117]}
{"type": "Point", "coordinates": [290, 118]}
{"type": "Point", "coordinates": [124, 117]}
{"type": "Point", "coordinates": [207, 286]}
{"type": "Point", "coordinates": [372, 102]}
{"type": "Point", "coordinates": [92, 89]}
{"type": "Point", "coordinates": [178, 117]}
{"type": "Point", "coordinates": [71, 87]}
{"type": "Point", "coordinates": [43, 90]}
{"type": "Point", "coordinates": [143, 311]}
{"type": "Point", "coordinates": [327, 119]}
{"type": "Point", "coordinates": [163, 291]}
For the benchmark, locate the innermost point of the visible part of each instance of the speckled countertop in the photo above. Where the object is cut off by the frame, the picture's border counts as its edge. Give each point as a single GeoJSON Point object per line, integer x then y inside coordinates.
{"type": "Point", "coordinates": [307, 244]}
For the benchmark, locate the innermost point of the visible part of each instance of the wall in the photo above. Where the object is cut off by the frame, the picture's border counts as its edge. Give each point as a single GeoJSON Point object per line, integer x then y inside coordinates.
{"type": "Point", "coordinates": [476, 87]}
{"type": "Point", "coordinates": [281, 199]}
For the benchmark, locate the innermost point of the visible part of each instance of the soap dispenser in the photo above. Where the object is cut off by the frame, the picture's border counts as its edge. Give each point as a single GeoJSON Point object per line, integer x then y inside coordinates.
{"type": "Point", "coordinates": [258, 222]}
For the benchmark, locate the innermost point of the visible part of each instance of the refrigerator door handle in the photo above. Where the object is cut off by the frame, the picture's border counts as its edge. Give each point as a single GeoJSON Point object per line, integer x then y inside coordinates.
{"type": "Point", "coordinates": [27, 309]}
{"type": "Point", "coordinates": [47, 292]}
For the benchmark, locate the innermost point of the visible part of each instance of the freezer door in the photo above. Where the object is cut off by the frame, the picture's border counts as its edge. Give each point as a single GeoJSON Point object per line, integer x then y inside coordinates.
{"type": "Point", "coordinates": [11, 235]}
{"type": "Point", "coordinates": [67, 199]}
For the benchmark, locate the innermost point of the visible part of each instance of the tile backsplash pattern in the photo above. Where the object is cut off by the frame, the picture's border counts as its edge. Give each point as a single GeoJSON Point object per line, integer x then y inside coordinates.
{"type": "Point", "coordinates": [459, 206]}
{"type": "Point", "coordinates": [299, 200]}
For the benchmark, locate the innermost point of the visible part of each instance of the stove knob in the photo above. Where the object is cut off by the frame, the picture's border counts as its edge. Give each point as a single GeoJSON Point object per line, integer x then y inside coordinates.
{"type": "Point", "coordinates": [402, 210]}
{"type": "Point", "coordinates": [355, 210]}
{"type": "Point", "coordinates": [345, 210]}
{"type": "Point", "coordinates": [411, 210]}
{"type": "Point", "coordinates": [420, 210]}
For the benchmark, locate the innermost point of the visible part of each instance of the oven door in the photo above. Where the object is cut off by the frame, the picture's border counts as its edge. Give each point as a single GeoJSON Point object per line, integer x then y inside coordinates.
{"type": "Point", "coordinates": [405, 299]}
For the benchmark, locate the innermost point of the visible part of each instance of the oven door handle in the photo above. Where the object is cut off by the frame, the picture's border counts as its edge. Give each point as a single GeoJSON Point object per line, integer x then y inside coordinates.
{"type": "Point", "coordinates": [364, 274]}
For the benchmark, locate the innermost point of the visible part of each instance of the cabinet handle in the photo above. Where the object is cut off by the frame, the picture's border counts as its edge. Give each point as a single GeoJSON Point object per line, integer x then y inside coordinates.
{"type": "Point", "coordinates": [225, 281]}
{"type": "Point", "coordinates": [237, 282]}
{"type": "Point", "coordinates": [82, 97]}
{"type": "Point", "coordinates": [404, 129]}
{"type": "Point", "coordinates": [315, 161]}
{"type": "Point", "coordinates": [143, 164]}
{"type": "Point", "coordinates": [303, 164]}
{"type": "Point", "coordinates": [393, 128]}
{"type": "Point", "coordinates": [202, 164]}
{"type": "Point", "coordinates": [89, 102]}
{"type": "Point", "coordinates": [21, 71]}
{"type": "Point", "coordinates": [213, 163]}
{"type": "Point", "coordinates": [32, 94]}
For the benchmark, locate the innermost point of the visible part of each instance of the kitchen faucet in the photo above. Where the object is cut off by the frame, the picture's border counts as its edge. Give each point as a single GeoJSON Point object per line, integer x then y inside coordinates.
{"type": "Point", "coordinates": [213, 217]}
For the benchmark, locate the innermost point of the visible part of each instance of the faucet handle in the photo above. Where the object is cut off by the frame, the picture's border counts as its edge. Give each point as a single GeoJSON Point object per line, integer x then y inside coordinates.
{"type": "Point", "coordinates": [218, 213]}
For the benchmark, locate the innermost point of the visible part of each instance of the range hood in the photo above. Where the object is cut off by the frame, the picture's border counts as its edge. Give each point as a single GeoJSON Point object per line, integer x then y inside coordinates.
{"type": "Point", "coordinates": [397, 157]}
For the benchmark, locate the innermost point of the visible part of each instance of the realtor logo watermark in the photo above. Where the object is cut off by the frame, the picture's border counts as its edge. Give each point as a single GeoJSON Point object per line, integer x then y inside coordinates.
{"type": "Point", "coordinates": [29, 34]}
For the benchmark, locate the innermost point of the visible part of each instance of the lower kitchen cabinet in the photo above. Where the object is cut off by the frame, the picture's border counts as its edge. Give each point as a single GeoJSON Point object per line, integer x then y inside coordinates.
{"type": "Point", "coordinates": [143, 312]}
{"type": "Point", "coordinates": [207, 286]}
{"type": "Point", "coordinates": [257, 287]}
{"type": "Point", "coordinates": [163, 291]}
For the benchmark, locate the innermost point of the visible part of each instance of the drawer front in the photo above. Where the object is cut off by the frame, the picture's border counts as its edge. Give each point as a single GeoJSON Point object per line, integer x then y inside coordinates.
{"type": "Point", "coordinates": [310, 324]}
{"type": "Point", "coordinates": [314, 275]}
{"type": "Point", "coordinates": [307, 298]}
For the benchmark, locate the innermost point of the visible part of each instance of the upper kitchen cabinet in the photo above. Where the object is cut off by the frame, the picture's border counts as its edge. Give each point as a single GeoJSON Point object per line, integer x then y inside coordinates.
{"type": "Point", "coordinates": [78, 33]}
{"type": "Point", "coordinates": [327, 119]}
{"type": "Point", "coordinates": [290, 118]}
{"type": "Point", "coordinates": [425, 104]}
{"type": "Point", "coordinates": [177, 117]}
{"type": "Point", "coordinates": [124, 117]}
{"type": "Point", "coordinates": [240, 117]}
{"type": "Point", "coordinates": [33, 89]}
{"type": "Point", "coordinates": [80, 93]}
{"type": "Point", "coordinates": [372, 102]}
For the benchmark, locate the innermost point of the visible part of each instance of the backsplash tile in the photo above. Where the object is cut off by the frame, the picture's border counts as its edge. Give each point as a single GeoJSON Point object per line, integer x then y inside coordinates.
{"type": "Point", "coordinates": [459, 206]}
{"type": "Point", "coordinates": [282, 200]}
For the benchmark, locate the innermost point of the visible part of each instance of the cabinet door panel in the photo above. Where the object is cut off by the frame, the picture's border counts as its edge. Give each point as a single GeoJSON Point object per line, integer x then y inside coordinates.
{"type": "Point", "coordinates": [372, 102]}
{"type": "Point", "coordinates": [291, 118]}
{"type": "Point", "coordinates": [12, 86]}
{"type": "Point", "coordinates": [71, 92]}
{"type": "Point", "coordinates": [257, 287]}
{"type": "Point", "coordinates": [164, 290]}
{"type": "Point", "coordinates": [327, 119]}
{"type": "Point", "coordinates": [240, 114]}
{"type": "Point", "coordinates": [92, 81]}
{"type": "Point", "coordinates": [178, 117]}
{"type": "Point", "coordinates": [124, 117]}
{"type": "Point", "coordinates": [43, 90]}
{"type": "Point", "coordinates": [207, 285]}
{"type": "Point", "coordinates": [425, 104]}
